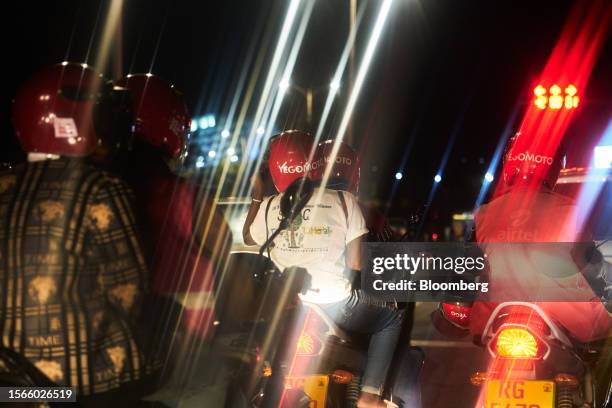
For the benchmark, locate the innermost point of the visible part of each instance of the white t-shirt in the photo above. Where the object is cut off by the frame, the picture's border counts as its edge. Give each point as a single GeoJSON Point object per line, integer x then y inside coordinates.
{"type": "Point", "coordinates": [316, 241]}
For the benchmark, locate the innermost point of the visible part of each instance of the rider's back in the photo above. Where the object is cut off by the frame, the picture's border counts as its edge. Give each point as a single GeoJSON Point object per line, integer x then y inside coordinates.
{"type": "Point", "coordinates": [72, 274]}
{"type": "Point", "coordinates": [539, 228]}
{"type": "Point", "coordinates": [315, 240]}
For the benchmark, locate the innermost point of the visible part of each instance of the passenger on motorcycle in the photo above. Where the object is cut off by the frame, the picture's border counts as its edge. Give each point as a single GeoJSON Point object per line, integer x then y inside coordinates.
{"type": "Point", "coordinates": [325, 239]}
{"type": "Point", "coordinates": [186, 238]}
{"type": "Point", "coordinates": [71, 265]}
{"type": "Point", "coordinates": [527, 214]}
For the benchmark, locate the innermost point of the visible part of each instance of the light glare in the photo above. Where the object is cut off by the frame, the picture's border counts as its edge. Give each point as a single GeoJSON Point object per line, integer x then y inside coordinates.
{"type": "Point", "coordinates": [361, 74]}
{"type": "Point", "coordinates": [334, 86]}
{"type": "Point", "coordinates": [284, 85]}
{"type": "Point", "coordinates": [603, 157]}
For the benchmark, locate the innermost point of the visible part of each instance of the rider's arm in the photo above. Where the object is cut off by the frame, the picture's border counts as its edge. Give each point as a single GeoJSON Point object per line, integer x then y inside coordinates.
{"type": "Point", "coordinates": [246, 229]}
{"type": "Point", "coordinates": [256, 199]}
{"type": "Point", "coordinates": [355, 232]}
{"type": "Point", "coordinates": [212, 233]}
{"type": "Point", "coordinates": [353, 254]}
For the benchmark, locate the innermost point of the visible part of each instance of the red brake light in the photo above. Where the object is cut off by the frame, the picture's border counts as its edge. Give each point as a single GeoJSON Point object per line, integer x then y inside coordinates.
{"type": "Point", "coordinates": [556, 97]}
{"type": "Point", "coordinates": [457, 313]}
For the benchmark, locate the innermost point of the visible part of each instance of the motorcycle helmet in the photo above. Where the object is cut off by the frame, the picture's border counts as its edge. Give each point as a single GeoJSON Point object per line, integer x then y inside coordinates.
{"type": "Point", "coordinates": [528, 162]}
{"type": "Point", "coordinates": [288, 157]}
{"type": "Point", "coordinates": [53, 112]}
{"type": "Point", "coordinates": [344, 173]}
{"type": "Point", "coordinates": [160, 116]}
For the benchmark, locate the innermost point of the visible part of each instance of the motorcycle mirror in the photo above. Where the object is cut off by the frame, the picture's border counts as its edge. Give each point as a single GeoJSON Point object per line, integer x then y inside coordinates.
{"type": "Point", "coordinates": [296, 197]}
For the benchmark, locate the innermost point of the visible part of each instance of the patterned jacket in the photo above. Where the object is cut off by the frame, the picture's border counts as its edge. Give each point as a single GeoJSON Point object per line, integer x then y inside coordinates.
{"type": "Point", "coordinates": [72, 274]}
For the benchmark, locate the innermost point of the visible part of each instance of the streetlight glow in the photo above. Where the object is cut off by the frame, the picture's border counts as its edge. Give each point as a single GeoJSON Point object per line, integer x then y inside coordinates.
{"type": "Point", "coordinates": [334, 85]}
{"type": "Point", "coordinates": [284, 85]}
{"type": "Point", "coordinates": [438, 178]}
{"type": "Point", "coordinates": [398, 175]}
{"type": "Point", "coordinates": [357, 85]}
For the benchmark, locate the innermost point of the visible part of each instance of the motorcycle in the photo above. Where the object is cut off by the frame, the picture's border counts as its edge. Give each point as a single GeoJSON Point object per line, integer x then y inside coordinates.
{"type": "Point", "coordinates": [534, 362]}
{"type": "Point", "coordinates": [293, 354]}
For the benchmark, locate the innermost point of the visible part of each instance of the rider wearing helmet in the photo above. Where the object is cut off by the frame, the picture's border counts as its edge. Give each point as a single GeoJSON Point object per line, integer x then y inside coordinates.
{"type": "Point", "coordinates": [344, 175]}
{"type": "Point", "coordinates": [527, 165]}
{"type": "Point", "coordinates": [71, 261]}
{"type": "Point", "coordinates": [325, 239]}
{"type": "Point", "coordinates": [186, 237]}
{"type": "Point", "coordinates": [527, 214]}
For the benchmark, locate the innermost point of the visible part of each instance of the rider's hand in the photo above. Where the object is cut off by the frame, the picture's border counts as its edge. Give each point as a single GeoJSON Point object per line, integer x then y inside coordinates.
{"type": "Point", "coordinates": [257, 192]}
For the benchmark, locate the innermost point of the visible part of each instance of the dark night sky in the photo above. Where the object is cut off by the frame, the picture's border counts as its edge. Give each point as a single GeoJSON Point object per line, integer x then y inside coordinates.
{"type": "Point", "coordinates": [437, 59]}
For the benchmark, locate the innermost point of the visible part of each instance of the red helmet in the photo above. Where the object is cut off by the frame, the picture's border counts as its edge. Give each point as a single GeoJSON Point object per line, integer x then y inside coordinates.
{"type": "Point", "coordinates": [344, 173]}
{"type": "Point", "coordinates": [54, 111]}
{"type": "Point", "coordinates": [527, 162]}
{"type": "Point", "coordinates": [161, 118]}
{"type": "Point", "coordinates": [289, 153]}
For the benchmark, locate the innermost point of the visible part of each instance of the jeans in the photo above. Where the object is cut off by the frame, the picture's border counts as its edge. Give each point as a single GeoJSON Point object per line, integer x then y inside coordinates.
{"type": "Point", "coordinates": [361, 313]}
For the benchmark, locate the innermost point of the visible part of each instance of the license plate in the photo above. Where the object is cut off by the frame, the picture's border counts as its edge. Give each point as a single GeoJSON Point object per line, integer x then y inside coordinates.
{"type": "Point", "coordinates": [520, 394]}
{"type": "Point", "coordinates": [315, 386]}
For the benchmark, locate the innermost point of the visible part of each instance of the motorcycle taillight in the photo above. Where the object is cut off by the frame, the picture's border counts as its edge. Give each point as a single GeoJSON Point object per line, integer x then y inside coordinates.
{"type": "Point", "coordinates": [457, 313]}
{"type": "Point", "coordinates": [516, 342]}
{"type": "Point", "coordinates": [519, 336]}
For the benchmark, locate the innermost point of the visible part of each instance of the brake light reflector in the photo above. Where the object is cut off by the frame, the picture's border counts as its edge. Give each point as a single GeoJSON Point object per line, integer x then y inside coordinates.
{"type": "Point", "coordinates": [305, 344]}
{"type": "Point", "coordinates": [515, 342]}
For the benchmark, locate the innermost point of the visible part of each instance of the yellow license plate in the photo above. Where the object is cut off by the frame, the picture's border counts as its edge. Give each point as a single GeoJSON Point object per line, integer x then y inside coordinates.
{"type": "Point", "coordinates": [315, 386]}
{"type": "Point", "coordinates": [520, 394]}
